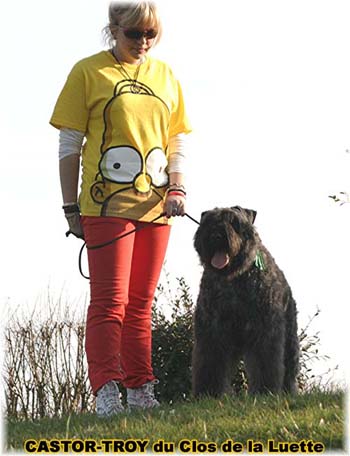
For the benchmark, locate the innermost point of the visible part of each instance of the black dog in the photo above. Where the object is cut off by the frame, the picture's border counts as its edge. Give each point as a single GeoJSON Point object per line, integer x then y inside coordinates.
{"type": "Point", "coordinates": [245, 309]}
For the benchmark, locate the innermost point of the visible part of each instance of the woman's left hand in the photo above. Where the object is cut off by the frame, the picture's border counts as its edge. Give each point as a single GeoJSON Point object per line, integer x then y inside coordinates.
{"type": "Point", "coordinates": [174, 205]}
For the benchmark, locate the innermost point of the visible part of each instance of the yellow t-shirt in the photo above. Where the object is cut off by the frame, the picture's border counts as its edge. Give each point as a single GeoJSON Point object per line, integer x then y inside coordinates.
{"type": "Point", "coordinates": [127, 126]}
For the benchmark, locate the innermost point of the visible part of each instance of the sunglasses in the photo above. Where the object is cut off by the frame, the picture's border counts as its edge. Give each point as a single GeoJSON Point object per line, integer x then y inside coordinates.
{"type": "Point", "coordinates": [134, 34]}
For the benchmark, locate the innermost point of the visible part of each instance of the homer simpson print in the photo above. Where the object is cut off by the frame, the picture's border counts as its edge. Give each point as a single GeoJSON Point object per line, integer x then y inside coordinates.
{"type": "Point", "coordinates": [132, 172]}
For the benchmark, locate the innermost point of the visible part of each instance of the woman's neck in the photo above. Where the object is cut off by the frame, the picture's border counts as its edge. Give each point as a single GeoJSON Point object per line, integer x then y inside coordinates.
{"type": "Point", "coordinates": [121, 57]}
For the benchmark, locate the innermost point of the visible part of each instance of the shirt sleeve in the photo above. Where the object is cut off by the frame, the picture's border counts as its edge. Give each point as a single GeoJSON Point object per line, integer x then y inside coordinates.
{"type": "Point", "coordinates": [179, 122]}
{"type": "Point", "coordinates": [71, 109]}
{"type": "Point", "coordinates": [177, 155]}
{"type": "Point", "coordinates": [70, 142]}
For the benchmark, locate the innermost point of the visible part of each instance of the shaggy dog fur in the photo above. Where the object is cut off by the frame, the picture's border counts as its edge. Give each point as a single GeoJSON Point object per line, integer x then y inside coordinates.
{"type": "Point", "coordinates": [245, 309]}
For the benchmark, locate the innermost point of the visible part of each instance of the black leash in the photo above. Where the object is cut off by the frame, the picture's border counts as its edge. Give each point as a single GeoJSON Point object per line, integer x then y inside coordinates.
{"type": "Point", "coordinates": [104, 244]}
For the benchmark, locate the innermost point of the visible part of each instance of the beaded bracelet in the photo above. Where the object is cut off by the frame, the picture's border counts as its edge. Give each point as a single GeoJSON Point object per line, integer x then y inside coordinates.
{"type": "Point", "coordinates": [177, 193]}
{"type": "Point", "coordinates": [176, 186]}
{"type": "Point", "coordinates": [70, 208]}
{"type": "Point", "coordinates": [177, 189]}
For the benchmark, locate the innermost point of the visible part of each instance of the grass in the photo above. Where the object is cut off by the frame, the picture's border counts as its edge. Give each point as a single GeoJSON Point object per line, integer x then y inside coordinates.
{"type": "Point", "coordinates": [317, 416]}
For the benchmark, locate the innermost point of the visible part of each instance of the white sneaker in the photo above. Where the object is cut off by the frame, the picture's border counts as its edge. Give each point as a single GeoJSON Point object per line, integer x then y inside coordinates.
{"type": "Point", "coordinates": [108, 400]}
{"type": "Point", "coordinates": [142, 397]}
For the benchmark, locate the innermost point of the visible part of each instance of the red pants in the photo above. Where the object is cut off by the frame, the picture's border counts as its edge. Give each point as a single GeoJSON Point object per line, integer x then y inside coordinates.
{"type": "Point", "coordinates": [123, 280]}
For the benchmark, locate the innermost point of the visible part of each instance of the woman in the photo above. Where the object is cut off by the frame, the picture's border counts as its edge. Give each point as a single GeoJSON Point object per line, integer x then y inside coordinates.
{"type": "Point", "coordinates": [129, 108]}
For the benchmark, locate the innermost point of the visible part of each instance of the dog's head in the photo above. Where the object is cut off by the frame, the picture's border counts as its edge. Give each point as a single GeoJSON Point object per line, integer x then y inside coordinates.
{"type": "Point", "coordinates": [226, 239]}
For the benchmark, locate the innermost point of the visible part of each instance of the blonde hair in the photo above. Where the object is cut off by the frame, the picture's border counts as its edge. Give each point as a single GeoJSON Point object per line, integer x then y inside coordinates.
{"type": "Point", "coordinates": [131, 14]}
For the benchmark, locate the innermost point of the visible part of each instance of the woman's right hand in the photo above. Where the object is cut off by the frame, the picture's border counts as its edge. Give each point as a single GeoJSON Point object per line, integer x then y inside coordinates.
{"type": "Point", "coordinates": [75, 226]}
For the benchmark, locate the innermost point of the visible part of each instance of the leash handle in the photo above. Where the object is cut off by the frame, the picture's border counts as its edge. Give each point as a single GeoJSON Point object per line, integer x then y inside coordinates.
{"type": "Point", "coordinates": [71, 232]}
{"type": "Point", "coordinates": [104, 244]}
{"type": "Point", "coordinates": [80, 262]}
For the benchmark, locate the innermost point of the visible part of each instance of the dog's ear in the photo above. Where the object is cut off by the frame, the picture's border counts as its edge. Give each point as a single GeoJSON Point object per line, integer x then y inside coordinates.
{"type": "Point", "coordinates": [203, 214]}
{"type": "Point", "coordinates": [250, 213]}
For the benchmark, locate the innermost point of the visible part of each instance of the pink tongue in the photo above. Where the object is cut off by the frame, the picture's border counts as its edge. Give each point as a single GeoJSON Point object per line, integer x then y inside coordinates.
{"type": "Point", "coordinates": [220, 260]}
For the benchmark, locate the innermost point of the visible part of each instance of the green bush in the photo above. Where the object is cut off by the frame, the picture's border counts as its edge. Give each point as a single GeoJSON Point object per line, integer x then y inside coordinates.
{"type": "Point", "coordinates": [45, 368]}
{"type": "Point", "coordinates": [172, 344]}
{"type": "Point", "coordinates": [173, 341]}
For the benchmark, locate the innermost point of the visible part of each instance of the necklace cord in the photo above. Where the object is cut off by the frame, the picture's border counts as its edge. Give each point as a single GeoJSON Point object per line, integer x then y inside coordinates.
{"type": "Point", "coordinates": [122, 70]}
